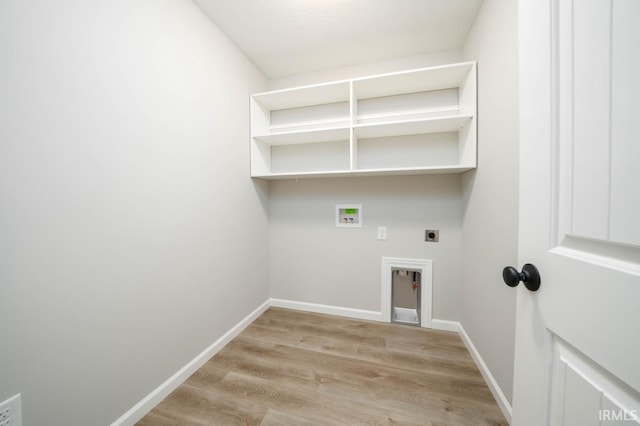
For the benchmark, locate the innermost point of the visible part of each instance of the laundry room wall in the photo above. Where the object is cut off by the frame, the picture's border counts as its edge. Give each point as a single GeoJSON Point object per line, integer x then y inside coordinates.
{"type": "Point", "coordinates": [490, 193]}
{"type": "Point", "coordinates": [131, 236]}
{"type": "Point", "coordinates": [312, 261]}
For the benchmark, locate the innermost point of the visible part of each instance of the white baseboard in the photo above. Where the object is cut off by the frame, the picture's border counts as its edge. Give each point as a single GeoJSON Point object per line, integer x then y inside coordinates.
{"type": "Point", "coordinates": [327, 309]}
{"type": "Point", "coordinates": [499, 396]}
{"type": "Point", "coordinates": [445, 325]}
{"type": "Point", "coordinates": [139, 410]}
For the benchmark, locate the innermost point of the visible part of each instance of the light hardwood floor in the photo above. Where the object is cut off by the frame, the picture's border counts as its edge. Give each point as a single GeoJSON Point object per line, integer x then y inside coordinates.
{"type": "Point", "coordinates": [297, 368]}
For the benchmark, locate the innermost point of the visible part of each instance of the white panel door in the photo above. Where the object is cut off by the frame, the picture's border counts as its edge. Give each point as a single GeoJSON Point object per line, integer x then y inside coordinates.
{"type": "Point", "coordinates": [578, 337]}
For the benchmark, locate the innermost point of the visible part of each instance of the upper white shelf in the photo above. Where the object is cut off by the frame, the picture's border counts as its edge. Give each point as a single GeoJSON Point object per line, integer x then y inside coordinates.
{"type": "Point", "coordinates": [317, 94]}
{"type": "Point", "coordinates": [412, 81]}
{"type": "Point", "coordinates": [409, 122]}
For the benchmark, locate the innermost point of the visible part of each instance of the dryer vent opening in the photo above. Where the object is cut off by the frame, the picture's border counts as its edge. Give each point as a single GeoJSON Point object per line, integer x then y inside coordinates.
{"type": "Point", "coordinates": [406, 296]}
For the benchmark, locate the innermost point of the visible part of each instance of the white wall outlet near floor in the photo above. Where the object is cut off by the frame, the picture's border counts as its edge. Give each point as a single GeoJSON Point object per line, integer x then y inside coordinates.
{"type": "Point", "coordinates": [382, 232]}
{"type": "Point", "coordinates": [11, 411]}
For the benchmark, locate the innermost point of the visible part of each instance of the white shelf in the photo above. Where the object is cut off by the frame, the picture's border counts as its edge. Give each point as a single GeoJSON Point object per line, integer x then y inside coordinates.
{"type": "Point", "coordinates": [369, 172]}
{"type": "Point", "coordinates": [411, 122]}
{"type": "Point", "coordinates": [303, 175]}
{"type": "Point", "coordinates": [411, 127]}
{"type": "Point", "coordinates": [386, 117]}
{"type": "Point", "coordinates": [308, 125]}
{"type": "Point", "coordinates": [305, 136]}
{"type": "Point", "coordinates": [413, 171]}
{"type": "Point", "coordinates": [317, 94]}
{"type": "Point", "coordinates": [413, 81]}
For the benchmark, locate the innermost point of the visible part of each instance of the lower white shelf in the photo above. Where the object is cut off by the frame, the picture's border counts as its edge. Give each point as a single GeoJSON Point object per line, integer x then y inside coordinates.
{"type": "Point", "coordinates": [368, 172]}
{"type": "Point", "coordinates": [408, 152]}
{"type": "Point", "coordinates": [412, 127]}
{"type": "Point", "coordinates": [330, 156]}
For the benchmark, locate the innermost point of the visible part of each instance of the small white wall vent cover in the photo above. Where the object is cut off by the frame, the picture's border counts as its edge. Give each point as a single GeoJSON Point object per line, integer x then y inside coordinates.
{"type": "Point", "coordinates": [349, 215]}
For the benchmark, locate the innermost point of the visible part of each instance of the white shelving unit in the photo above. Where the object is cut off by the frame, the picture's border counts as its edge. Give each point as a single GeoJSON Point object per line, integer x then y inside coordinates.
{"type": "Point", "coordinates": [410, 122]}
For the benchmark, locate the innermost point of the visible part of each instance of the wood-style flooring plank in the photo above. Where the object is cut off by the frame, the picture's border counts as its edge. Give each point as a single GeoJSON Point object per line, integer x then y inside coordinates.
{"type": "Point", "coordinates": [295, 368]}
{"type": "Point", "coordinates": [278, 418]}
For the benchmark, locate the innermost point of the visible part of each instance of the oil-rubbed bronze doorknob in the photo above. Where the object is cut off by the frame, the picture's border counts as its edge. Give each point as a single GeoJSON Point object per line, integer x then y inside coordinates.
{"type": "Point", "coordinates": [529, 276]}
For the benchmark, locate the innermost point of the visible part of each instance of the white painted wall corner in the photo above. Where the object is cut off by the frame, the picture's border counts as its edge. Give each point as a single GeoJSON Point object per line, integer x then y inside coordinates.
{"type": "Point", "coordinates": [139, 410]}
{"type": "Point", "coordinates": [495, 389]}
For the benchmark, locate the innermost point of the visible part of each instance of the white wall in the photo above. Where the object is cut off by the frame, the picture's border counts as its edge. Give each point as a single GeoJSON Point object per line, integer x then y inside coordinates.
{"type": "Point", "coordinates": [490, 200]}
{"type": "Point", "coordinates": [313, 261]}
{"type": "Point", "coordinates": [131, 234]}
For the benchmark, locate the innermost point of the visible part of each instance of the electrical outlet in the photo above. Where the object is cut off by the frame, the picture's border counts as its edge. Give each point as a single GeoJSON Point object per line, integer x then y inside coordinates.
{"type": "Point", "coordinates": [382, 232]}
{"type": "Point", "coordinates": [5, 413]}
{"type": "Point", "coordinates": [432, 235]}
{"type": "Point", "coordinates": [11, 411]}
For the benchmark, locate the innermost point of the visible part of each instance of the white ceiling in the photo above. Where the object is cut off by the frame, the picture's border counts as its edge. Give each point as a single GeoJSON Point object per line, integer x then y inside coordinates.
{"type": "Point", "coordinates": [287, 37]}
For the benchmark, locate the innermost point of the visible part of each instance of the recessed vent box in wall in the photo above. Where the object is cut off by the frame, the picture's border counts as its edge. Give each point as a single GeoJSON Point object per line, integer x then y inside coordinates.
{"type": "Point", "coordinates": [405, 298]}
{"type": "Point", "coordinates": [410, 122]}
